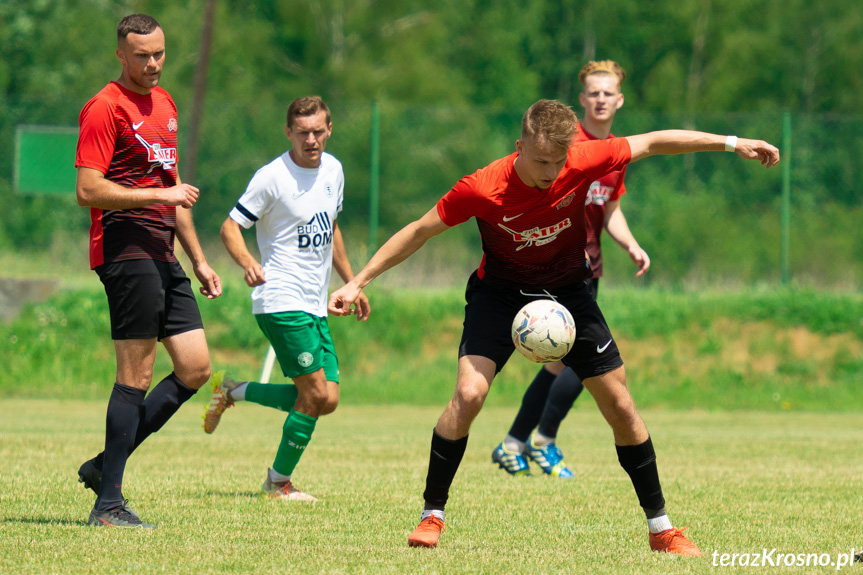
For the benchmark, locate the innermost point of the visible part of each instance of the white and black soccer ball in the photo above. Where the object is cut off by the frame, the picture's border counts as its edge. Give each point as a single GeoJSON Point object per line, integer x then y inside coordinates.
{"type": "Point", "coordinates": [543, 331]}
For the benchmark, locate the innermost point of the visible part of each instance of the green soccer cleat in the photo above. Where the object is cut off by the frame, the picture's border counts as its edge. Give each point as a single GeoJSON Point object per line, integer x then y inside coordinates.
{"type": "Point", "coordinates": [220, 400]}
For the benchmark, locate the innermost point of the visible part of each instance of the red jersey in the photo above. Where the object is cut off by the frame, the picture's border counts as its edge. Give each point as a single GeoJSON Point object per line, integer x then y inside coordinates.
{"type": "Point", "coordinates": [606, 189]}
{"type": "Point", "coordinates": [533, 238]}
{"type": "Point", "coordinates": [132, 139]}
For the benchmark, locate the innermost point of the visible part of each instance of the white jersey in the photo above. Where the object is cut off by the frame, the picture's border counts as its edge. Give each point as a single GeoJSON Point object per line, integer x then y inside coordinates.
{"type": "Point", "coordinates": [295, 210]}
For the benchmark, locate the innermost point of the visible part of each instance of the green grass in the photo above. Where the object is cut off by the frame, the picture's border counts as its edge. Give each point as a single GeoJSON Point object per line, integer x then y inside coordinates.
{"type": "Point", "coordinates": [777, 349]}
{"type": "Point", "coordinates": [744, 481]}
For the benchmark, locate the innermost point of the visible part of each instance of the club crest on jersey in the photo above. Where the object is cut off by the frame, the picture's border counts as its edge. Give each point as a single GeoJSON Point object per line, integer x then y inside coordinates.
{"type": "Point", "coordinates": [156, 154]}
{"type": "Point", "coordinates": [315, 233]}
{"type": "Point", "coordinates": [537, 236]}
{"type": "Point", "coordinates": [565, 201]}
{"type": "Point", "coordinates": [598, 194]}
{"type": "Point", "coordinates": [172, 125]}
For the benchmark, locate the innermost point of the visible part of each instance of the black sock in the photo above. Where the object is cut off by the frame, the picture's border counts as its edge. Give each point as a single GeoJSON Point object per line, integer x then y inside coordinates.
{"type": "Point", "coordinates": [161, 403]}
{"type": "Point", "coordinates": [639, 461]}
{"type": "Point", "coordinates": [564, 391]}
{"type": "Point", "coordinates": [443, 463]}
{"type": "Point", "coordinates": [124, 412]}
{"type": "Point", "coordinates": [532, 405]}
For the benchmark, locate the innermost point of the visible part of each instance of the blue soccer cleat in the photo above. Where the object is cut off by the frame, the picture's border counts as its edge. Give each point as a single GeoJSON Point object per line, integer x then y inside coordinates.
{"type": "Point", "coordinates": [550, 459]}
{"type": "Point", "coordinates": [513, 463]}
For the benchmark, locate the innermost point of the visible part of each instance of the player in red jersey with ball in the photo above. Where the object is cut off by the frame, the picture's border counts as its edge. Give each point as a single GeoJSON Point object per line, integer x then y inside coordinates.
{"type": "Point", "coordinates": [127, 176]}
{"type": "Point", "coordinates": [529, 207]}
{"type": "Point", "coordinates": [554, 389]}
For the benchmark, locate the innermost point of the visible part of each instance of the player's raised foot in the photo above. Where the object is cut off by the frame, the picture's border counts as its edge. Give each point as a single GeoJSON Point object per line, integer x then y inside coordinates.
{"type": "Point", "coordinates": [122, 516]}
{"type": "Point", "coordinates": [427, 533]}
{"type": "Point", "coordinates": [286, 492]}
{"type": "Point", "coordinates": [673, 541]}
{"type": "Point", "coordinates": [549, 457]}
{"type": "Point", "coordinates": [90, 476]}
{"type": "Point", "coordinates": [220, 400]}
{"type": "Point", "coordinates": [858, 558]}
{"type": "Point", "coordinates": [513, 463]}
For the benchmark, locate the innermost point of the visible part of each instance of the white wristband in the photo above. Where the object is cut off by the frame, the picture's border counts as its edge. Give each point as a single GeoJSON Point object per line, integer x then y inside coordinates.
{"type": "Point", "coordinates": [731, 144]}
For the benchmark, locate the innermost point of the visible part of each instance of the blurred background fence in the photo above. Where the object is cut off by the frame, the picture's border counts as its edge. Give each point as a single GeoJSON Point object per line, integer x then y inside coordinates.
{"type": "Point", "coordinates": [704, 218]}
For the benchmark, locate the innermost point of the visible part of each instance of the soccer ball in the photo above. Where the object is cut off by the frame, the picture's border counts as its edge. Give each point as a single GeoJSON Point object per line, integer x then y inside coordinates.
{"type": "Point", "coordinates": [543, 331]}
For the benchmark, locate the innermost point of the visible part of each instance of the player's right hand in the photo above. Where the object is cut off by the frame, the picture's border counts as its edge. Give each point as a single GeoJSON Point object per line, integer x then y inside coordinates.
{"type": "Point", "coordinates": [254, 274]}
{"type": "Point", "coordinates": [183, 195]}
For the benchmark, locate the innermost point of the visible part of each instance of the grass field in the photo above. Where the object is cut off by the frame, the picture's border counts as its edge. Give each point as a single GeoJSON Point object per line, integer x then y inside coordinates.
{"type": "Point", "coordinates": [744, 481]}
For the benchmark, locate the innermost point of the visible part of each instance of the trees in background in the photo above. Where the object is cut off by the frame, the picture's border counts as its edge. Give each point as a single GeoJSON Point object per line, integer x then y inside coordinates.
{"type": "Point", "coordinates": [452, 79]}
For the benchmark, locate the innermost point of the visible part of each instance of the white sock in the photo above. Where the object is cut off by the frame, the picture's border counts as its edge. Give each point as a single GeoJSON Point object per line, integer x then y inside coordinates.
{"type": "Point", "coordinates": [276, 477]}
{"type": "Point", "coordinates": [429, 512]}
{"type": "Point", "coordinates": [239, 392]}
{"type": "Point", "coordinates": [513, 445]}
{"type": "Point", "coordinates": [658, 524]}
{"type": "Point", "coordinates": [541, 440]}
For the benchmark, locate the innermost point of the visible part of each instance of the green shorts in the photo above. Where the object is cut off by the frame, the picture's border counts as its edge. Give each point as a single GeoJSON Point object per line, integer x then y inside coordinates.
{"type": "Point", "coordinates": [302, 342]}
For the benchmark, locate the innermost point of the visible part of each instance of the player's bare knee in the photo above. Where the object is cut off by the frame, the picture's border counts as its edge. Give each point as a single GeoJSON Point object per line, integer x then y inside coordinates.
{"type": "Point", "coordinates": [330, 406]}
{"type": "Point", "coordinates": [194, 376]}
{"type": "Point", "coordinates": [470, 399]}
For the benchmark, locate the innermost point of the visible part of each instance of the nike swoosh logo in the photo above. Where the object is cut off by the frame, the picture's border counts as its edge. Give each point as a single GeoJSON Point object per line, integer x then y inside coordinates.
{"type": "Point", "coordinates": [138, 125]}
{"type": "Point", "coordinates": [506, 219]}
{"type": "Point", "coordinates": [600, 349]}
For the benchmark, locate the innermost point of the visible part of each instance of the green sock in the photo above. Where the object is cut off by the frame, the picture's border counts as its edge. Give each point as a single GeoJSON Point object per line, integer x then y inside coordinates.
{"type": "Point", "coordinates": [281, 396]}
{"type": "Point", "coordinates": [296, 434]}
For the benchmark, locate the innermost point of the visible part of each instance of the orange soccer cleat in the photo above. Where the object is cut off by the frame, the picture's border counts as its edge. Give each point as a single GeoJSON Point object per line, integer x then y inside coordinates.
{"type": "Point", "coordinates": [427, 533]}
{"type": "Point", "coordinates": [673, 541]}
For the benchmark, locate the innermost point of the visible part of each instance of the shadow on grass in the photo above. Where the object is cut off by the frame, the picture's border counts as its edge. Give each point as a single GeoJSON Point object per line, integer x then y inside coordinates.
{"type": "Point", "coordinates": [236, 494]}
{"type": "Point", "coordinates": [44, 521]}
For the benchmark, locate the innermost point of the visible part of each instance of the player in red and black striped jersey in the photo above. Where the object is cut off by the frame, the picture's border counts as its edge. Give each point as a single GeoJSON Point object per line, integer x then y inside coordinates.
{"type": "Point", "coordinates": [530, 211]}
{"type": "Point", "coordinates": [127, 176]}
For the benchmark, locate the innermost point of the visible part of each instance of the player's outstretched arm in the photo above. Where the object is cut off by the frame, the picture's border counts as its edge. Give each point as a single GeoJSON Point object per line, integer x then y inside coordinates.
{"type": "Point", "coordinates": [397, 249]}
{"type": "Point", "coordinates": [687, 141]}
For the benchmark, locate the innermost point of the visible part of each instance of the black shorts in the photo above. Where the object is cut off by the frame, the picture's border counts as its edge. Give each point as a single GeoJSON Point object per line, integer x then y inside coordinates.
{"type": "Point", "coordinates": [488, 319]}
{"type": "Point", "coordinates": [148, 298]}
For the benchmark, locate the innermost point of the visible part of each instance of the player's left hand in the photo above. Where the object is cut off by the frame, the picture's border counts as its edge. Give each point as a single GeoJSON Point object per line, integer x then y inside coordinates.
{"type": "Point", "coordinates": [759, 150]}
{"type": "Point", "coordinates": [211, 283]}
{"type": "Point", "coordinates": [640, 258]}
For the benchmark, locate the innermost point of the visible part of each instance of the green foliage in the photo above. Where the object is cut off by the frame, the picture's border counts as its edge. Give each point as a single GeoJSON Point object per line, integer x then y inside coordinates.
{"type": "Point", "coordinates": [743, 481]}
{"type": "Point", "coordinates": [452, 81]}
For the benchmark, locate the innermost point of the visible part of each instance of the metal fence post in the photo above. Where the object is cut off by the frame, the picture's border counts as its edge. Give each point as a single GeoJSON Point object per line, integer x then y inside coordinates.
{"type": "Point", "coordinates": [786, 199]}
{"type": "Point", "coordinates": [374, 177]}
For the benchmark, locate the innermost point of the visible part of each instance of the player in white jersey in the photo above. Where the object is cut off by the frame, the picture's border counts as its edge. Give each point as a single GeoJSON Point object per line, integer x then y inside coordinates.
{"type": "Point", "coordinates": [293, 201]}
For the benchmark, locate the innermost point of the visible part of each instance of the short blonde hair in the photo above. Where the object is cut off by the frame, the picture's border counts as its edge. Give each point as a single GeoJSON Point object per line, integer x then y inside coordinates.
{"type": "Point", "coordinates": [550, 121]}
{"type": "Point", "coordinates": [602, 67]}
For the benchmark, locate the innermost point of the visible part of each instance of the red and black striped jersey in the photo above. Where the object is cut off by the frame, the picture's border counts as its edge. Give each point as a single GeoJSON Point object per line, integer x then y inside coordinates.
{"type": "Point", "coordinates": [531, 237]}
{"type": "Point", "coordinates": [607, 188]}
{"type": "Point", "coordinates": [132, 139]}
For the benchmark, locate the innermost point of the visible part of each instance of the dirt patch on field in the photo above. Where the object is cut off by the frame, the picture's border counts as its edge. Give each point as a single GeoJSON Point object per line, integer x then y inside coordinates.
{"type": "Point", "coordinates": [751, 348]}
